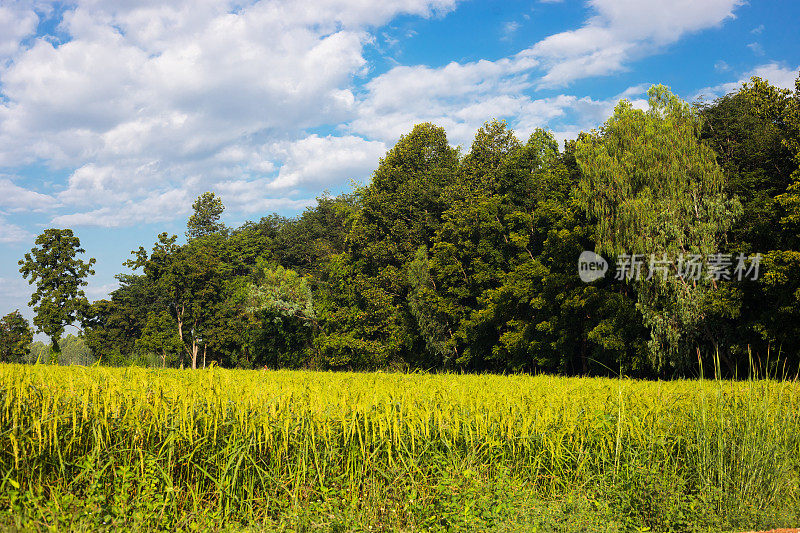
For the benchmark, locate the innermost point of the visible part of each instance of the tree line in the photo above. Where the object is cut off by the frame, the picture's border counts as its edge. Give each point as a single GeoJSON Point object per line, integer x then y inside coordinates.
{"type": "Point", "coordinates": [469, 261]}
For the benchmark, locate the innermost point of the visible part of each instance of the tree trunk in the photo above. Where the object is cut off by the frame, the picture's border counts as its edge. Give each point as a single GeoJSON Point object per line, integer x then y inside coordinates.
{"type": "Point", "coordinates": [55, 351]}
{"type": "Point", "coordinates": [179, 318]}
{"type": "Point", "coordinates": [205, 347]}
{"type": "Point", "coordinates": [195, 350]}
{"type": "Point", "coordinates": [584, 364]}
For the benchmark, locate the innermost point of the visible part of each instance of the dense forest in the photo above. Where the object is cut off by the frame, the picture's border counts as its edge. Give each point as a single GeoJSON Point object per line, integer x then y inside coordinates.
{"type": "Point", "coordinates": [469, 261]}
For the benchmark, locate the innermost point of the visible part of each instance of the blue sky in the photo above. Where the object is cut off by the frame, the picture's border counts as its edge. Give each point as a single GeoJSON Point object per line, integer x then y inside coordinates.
{"type": "Point", "coordinates": [115, 115]}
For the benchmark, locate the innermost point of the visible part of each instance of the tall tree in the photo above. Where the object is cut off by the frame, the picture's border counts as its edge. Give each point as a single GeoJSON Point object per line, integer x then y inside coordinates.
{"type": "Point", "coordinates": [364, 289]}
{"type": "Point", "coordinates": [188, 281]}
{"type": "Point", "coordinates": [756, 133]}
{"type": "Point", "coordinates": [204, 220]}
{"type": "Point", "coordinates": [473, 244]}
{"type": "Point", "coordinates": [655, 189]}
{"type": "Point", "coordinates": [15, 338]}
{"type": "Point", "coordinates": [59, 274]}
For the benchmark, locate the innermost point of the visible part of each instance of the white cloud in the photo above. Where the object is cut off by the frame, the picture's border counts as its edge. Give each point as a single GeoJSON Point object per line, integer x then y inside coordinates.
{"type": "Point", "coordinates": [148, 100]}
{"type": "Point", "coordinates": [773, 72]}
{"type": "Point", "coordinates": [322, 161]}
{"type": "Point", "coordinates": [98, 292]}
{"type": "Point", "coordinates": [252, 197]}
{"type": "Point", "coordinates": [621, 31]}
{"type": "Point", "coordinates": [156, 207]}
{"type": "Point", "coordinates": [12, 233]}
{"type": "Point", "coordinates": [18, 198]}
{"type": "Point", "coordinates": [461, 97]}
{"type": "Point", "coordinates": [458, 97]}
{"type": "Point", "coordinates": [16, 23]}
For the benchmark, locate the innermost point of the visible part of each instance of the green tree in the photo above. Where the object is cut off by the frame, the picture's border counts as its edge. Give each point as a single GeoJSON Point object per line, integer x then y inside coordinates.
{"type": "Point", "coordinates": [160, 336]}
{"type": "Point", "coordinates": [498, 290]}
{"type": "Point", "coordinates": [188, 281]}
{"type": "Point", "coordinates": [113, 325]}
{"type": "Point", "coordinates": [204, 220]}
{"type": "Point", "coordinates": [302, 244]}
{"type": "Point", "coordinates": [756, 132]}
{"type": "Point", "coordinates": [781, 110]}
{"type": "Point", "coordinates": [15, 338]}
{"type": "Point", "coordinates": [363, 290]}
{"type": "Point", "coordinates": [654, 188]}
{"type": "Point", "coordinates": [751, 131]}
{"type": "Point", "coordinates": [59, 275]}
{"type": "Point", "coordinates": [282, 304]}
{"type": "Point", "coordinates": [473, 244]}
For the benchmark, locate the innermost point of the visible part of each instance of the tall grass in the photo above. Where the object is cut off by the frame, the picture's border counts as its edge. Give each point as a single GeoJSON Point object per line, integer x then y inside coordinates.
{"type": "Point", "coordinates": [166, 448]}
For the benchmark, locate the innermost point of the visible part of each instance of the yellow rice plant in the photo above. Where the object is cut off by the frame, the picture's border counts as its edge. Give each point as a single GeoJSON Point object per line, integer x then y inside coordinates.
{"type": "Point", "coordinates": [247, 444]}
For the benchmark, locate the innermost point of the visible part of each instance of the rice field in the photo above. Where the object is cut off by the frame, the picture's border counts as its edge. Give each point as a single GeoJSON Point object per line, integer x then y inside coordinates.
{"type": "Point", "coordinates": [93, 448]}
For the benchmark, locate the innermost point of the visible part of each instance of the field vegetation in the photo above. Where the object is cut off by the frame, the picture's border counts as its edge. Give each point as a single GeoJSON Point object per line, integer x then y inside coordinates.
{"type": "Point", "coordinates": [115, 448]}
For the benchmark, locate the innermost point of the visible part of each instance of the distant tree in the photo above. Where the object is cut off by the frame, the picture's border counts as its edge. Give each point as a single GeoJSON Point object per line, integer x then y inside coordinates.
{"type": "Point", "coordinates": [205, 219]}
{"type": "Point", "coordinates": [39, 352]}
{"type": "Point", "coordinates": [189, 282]}
{"type": "Point", "coordinates": [15, 338]}
{"type": "Point", "coordinates": [160, 336]}
{"type": "Point", "coordinates": [654, 188]}
{"type": "Point", "coordinates": [282, 304]}
{"type": "Point", "coordinates": [59, 275]}
{"type": "Point", "coordinates": [364, 289]}
{"type": "Point", "coordinates": [74, 351]}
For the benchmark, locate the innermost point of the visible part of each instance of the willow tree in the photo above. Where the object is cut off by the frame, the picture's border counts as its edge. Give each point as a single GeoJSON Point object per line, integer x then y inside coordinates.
{"type": "Point", "coordinates": [656, 190]}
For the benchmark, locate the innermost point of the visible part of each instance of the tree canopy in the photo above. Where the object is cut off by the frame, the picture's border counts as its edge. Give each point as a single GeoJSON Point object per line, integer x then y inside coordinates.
{"type": "Point", "coordinates": [59, 274]}
{"type": "Point", "coordinates": [467, 259]}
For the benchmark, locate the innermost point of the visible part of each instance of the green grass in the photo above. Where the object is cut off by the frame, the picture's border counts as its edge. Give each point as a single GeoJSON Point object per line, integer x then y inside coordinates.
{"type": "Point", "coordinates": [99, 448]}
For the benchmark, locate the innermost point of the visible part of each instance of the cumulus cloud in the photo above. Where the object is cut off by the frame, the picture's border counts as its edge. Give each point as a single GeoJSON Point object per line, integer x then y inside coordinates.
{"type": "Point", "coordinates": [461, 97]}
{"type": "Point", "coordinates": [97, 292]}
{"type": "Point", "coordinates": [18, 198]}
{"type": "Point", "coordinates": [620, 31]}
{"type": "Point", "coordinates": [156, 207]}
{"type": "Point", "coordinates": [10, 233]}
{"type": "Point", "coordinates": [456, 97]}
{"type": "Point", "coordinates": [775, 73]}
{"type": "Point", "coordinates": [146, 100]}
{"type": "Point", "coordinates": [322, 161]}
{"type": "Point", "coordinates": [16, 23]}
